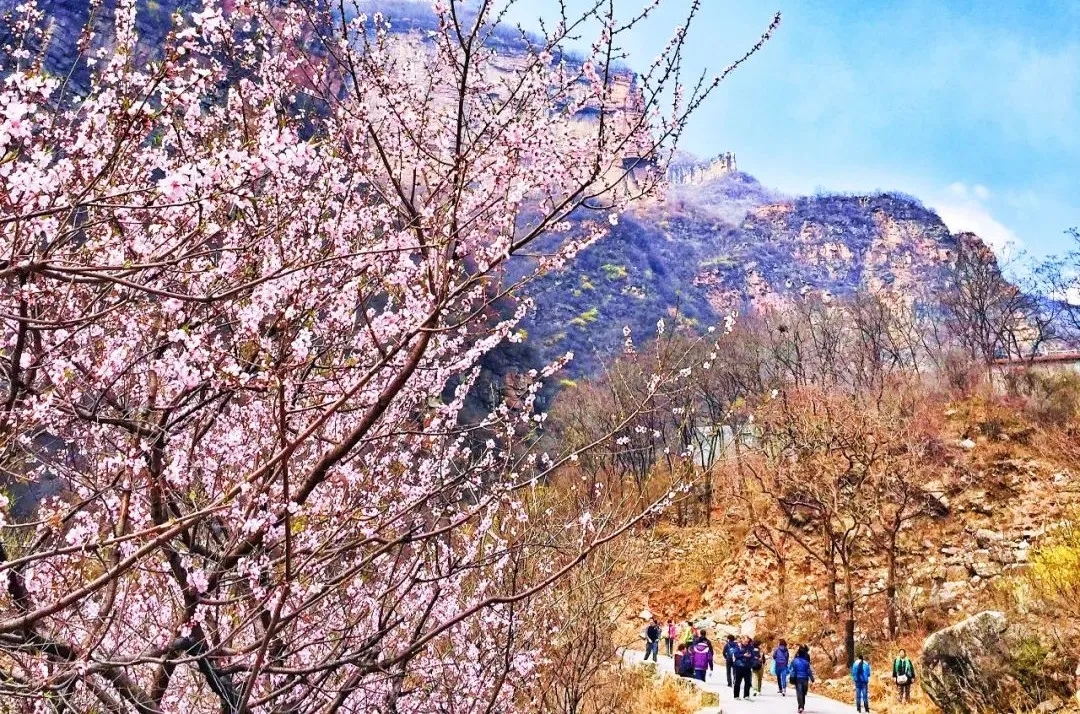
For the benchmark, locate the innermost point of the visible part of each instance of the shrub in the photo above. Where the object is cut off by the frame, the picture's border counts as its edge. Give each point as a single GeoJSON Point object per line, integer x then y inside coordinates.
{"type": "Point", "coordinates": [1055, 398]}
{"type": "Point", "coordinates": [668, 696]}
{"type": "Point", "coordinates": [586, 318]}
{"type": "Point", "coordinates": [1053, 578]}
{"type": "Point", "coordinates": [614, 272]}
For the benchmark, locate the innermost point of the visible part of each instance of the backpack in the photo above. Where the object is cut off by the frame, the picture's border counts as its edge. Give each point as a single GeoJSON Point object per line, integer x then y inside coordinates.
{"type": "Point", "coordinates": [686, 664]}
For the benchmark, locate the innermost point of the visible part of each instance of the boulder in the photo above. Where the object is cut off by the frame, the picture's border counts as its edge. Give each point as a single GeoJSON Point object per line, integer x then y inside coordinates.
{"type": "Point", "coordinates": [976, 666]}
{"type": "Point", "coordinates": [987, 538]}
{"type": "Point", "coordinates": [984, 565]}
{"type": "Point", "coordinates": [936, 497]}
{"type": "Point", "coordinates": [948, 593]}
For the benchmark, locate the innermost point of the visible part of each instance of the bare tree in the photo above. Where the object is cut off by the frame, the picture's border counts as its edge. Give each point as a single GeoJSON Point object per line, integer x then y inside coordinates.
{"type": "Point", "coordinates": [907, 425]}
{"type": "Point", "coordinates": [821, 460]}
{"type": "Point", "coordinates": [990, 317]}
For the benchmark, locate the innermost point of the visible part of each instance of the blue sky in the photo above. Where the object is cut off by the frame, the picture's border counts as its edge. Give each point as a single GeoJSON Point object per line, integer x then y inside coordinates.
{"type": "Point", "coordinates": [973, 106]}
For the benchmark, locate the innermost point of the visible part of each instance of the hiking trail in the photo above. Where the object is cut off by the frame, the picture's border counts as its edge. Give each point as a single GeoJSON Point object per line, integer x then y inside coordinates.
{"type": "Point", "coordinates": [768, 702]}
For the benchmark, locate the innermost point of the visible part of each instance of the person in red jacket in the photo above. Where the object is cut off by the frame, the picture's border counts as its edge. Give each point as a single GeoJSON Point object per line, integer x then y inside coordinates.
{"type": "Point", "coordinates": [680, 666]}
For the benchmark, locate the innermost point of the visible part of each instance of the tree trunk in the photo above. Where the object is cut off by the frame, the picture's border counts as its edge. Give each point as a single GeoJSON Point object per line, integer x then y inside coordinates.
{"type": "Point", "coordinates": [833, 602]}
{"type": "Point", "coordinates": [781, 585]}
{"type": "Point", "coordinates": [890, 590]}
{"type": "Point", "coordinates": [849, 619]}
{"type": "Point", "coordinates": [849, 635]}
{"type": "Point", "coordinates": [708, 495]}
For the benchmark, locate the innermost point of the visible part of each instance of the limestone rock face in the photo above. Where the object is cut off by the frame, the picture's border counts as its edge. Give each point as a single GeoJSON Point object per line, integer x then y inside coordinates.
{"type": "Point", "coordinates": [975, 666]}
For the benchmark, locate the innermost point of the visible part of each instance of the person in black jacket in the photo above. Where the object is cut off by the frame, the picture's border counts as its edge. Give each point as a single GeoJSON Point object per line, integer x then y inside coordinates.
{"type": "Point", "coordinates": [742, 655]}
{"type": "Point", "coordinates": [652, 640]}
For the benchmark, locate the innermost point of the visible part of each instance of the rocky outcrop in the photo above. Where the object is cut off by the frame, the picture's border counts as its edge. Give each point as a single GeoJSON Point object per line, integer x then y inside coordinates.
{"type": "Point", "coordinates": [984, 664]}
{"type": "Point", "coordinates": [700, 172]}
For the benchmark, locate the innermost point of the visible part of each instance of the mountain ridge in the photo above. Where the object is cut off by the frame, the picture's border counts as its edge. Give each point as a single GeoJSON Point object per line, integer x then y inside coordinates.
{"type": "Point", "coordinates": [726, 245]}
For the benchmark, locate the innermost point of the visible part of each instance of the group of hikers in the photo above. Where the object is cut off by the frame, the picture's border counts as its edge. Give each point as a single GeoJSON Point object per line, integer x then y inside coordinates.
{"type": "Point", "coordinates": [745, 661]}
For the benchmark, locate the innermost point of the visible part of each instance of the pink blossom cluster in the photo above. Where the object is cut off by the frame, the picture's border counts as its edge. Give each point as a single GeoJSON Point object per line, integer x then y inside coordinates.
{"type": "Point", "coordinates": [246, 287]}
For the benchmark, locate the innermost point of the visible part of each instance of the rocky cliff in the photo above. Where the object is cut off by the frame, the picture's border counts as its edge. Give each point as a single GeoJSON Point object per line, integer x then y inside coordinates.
{"type": "Point", "coordinates": [720, 242]}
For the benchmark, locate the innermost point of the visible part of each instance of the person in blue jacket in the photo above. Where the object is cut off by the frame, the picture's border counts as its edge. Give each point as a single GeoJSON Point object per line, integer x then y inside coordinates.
{"type": "Point", "coordinates": [801, 675]}
{"type": "Point", "coordinates": [729, 658]}
{"type": "Point", "coordinates": [781, 659]}
{"type": "Point", "coordinates": [860, 675]}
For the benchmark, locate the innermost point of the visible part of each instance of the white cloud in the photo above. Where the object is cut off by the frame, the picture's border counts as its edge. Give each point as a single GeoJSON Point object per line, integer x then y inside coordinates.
{"type": "Point", "coordinates": [963, 208]}
{"type": "Point", "coordinates": [961, 189]}
{"type": "Point", "coordinates": [970, 216]}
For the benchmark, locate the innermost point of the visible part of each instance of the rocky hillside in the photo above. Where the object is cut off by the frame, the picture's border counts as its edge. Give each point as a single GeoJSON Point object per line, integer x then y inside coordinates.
{"type": "Point", "coordinates": [1007, 483]}
{"type": "Point", "coordinates": [721, 242]}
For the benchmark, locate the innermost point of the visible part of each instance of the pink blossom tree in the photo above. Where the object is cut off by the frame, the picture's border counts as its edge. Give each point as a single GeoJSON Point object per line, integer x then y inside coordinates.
{"type": "Point", "coordinates": [246, 287]}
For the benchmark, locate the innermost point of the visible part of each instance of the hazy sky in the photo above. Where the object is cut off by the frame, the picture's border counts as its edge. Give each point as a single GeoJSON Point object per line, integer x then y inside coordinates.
{"type": "Point", "coordinates": [971, 105]}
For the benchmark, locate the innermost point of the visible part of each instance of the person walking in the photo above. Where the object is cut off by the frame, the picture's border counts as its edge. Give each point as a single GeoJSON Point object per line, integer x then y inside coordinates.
{"type": "Point", "coordinates": [757, 665]}
{"type": "Point", "coordinates": [703, 636]}
{"type": "Point", "coordinates": [802, 674]}
{"type": "Point", "coordinates": [652, 640]}
{"type": "Point", "coordinates": [688, 634]}
{"type": "Point", "coordinates": [781, 659]}
{"type": "Point", "coordinates": [681, 658]}
{"type": "Point", "coordinates": [729, 659]}
{"type": "Point", "coordinates": [741, 655]}
{"type": "Point", "coordinates": [669, 637]}
{"type": "Point", "coordinates": [860, 676]}
{"type": "Point", "coordinates": [903, 672]}
{"type": "Point", "coordinates": [702, 656]}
